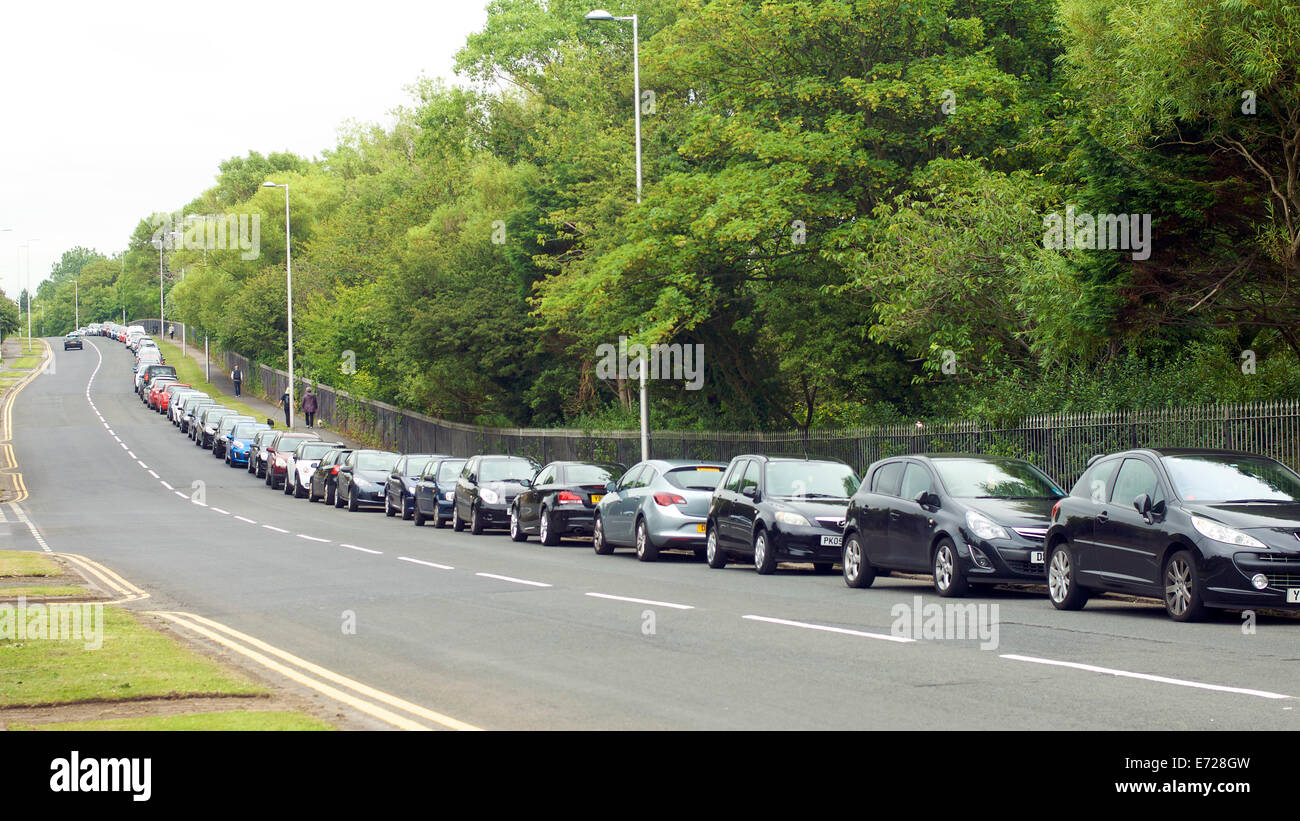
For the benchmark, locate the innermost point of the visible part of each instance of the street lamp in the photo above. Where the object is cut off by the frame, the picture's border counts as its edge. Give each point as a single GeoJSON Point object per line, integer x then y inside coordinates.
{"type": "Point", "coordinates": [288, 270]}
{"type": "Point", "coordinates": [28, 246]}
{"type": "Point", "coordinates": [162, 243]}
{"type": "Point", "coordinates": [602, 16]}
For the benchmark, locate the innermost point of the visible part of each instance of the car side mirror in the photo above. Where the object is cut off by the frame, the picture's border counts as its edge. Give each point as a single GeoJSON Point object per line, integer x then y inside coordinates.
{"type": "Point", "coordinates": [526, 482]}
{"type": "Point", "coordinates": [1143, 504]}
{"type": "Point", "coordinates": [750, 492]}
{"type": "Point", "coordinates": [611, 487]}
{"type": "Point", "coordinates": [927, 499]}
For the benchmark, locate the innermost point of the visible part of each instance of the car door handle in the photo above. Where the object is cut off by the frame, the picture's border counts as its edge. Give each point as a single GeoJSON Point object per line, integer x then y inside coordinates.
{"type": "Point", "coordinates": [1103, 517]}
{"type": "Point", "coordinates": [894, 514]}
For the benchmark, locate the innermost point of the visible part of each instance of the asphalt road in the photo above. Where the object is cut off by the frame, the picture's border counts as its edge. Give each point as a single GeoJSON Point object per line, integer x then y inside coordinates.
{"type": "Point", "coordinates": [558, 652]}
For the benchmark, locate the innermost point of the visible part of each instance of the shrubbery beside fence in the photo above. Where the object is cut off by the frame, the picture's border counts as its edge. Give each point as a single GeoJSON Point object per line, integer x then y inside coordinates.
{"type": "Point", "coordinates": [1060, 444]}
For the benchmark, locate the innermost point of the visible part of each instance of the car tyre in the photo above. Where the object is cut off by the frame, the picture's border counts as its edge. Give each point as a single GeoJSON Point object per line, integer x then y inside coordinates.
{"type": "Point", "coordinates": [418, 518]}
{"type": "Point", "coordinates": [1062, 580]}
{"type": "Point", "coordinates": [948, 578]}
{"type": "Point", "coordinates": [388, 507]}
{"type": "Point", "coordinates": [598, 541]}
{"type": "Point", "coordinates": [713, 552]}
{"type": "Point", "coordinates": [858, 572]}
{"type": "Point", "coordinates": [456, 524]}
{"type": "Point", "coordinates": [646, 551]}
{"type": "Point", "coordinates": [546, 533]}
{"type": "Point", "coordinates": [1183, 599]}
{"type": "Point", "coordinates": [475, 523]}
{"type": "Point", "coordinates": [764, 554]}
{"type": "Point", "coordinates": [352, 499]}
{"type": "Point", "coordinates": [516, 529]}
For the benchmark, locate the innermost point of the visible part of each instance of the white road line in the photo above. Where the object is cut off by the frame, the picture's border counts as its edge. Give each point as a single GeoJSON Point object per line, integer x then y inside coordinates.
{"type": "Point", "coordinates": [827, 629]}
{"type": "Point", "coordinates": [180, 494]}
{"type": "Point", "coordinates": [512, 579]}
{"type": "Point", "coordinates": [200, 504]}
{"type": "Point", "coordinates": [276, 529]}
{"type": "Point", "coordinates": [132, 455]}
{"type": "Point", "coordinates": [643, 601]}
{"type": "Point", "coordinates": [1145, 676]}
{"type": "Point", "coordinates": [164, 484]}
{"type": "Point", "coordinates": [311, 538]}
{"type": "Point", "coordinates": [141, 464]}
{"type": "Point", "coordinates": [242, 519]}
{"type": "Point", "coordinates": [36, 534]}
{"type": "Point", "coordinates": [154, 475]}
{"type": "Point", "coordinates": [362, 549]}
{"type": "Point", "coordinates": [219, 510]}
{"type": "Point", "coordinates": [123, 444]}
{"type": "Point", "coordinates": [426, 564]}
{"type": "Point", "coordinates": [107, 428]}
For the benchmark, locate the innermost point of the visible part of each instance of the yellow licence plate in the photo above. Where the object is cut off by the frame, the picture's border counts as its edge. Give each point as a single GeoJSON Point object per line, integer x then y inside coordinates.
{"type": "Point", "coordinates": [596, 497]}
{"type": "Point", "coordinates": [699, 528]}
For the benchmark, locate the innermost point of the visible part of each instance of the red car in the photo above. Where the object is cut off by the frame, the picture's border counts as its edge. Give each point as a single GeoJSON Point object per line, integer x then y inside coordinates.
{"type": "Point", "coordinates": [165, 396]}
{"type": "Point", "coordinates": [279, 452]}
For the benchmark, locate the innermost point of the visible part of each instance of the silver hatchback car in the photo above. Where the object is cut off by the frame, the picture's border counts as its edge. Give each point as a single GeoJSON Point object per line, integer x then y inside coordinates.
{"type": "Point", "coordinates": [659, 504]}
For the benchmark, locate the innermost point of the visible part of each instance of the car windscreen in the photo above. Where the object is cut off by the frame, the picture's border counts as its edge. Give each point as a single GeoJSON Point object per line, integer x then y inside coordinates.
{"type": "Point", "coordinates": [377, 461]}
{"type": "Point", "coordinates": [247, 429]}
{"type": "Point", "coordinates": [995, 479]}
{"type": "Point", "coordinates": [811, 480]}
{"type": "Point", "coordinates": [448, 471]}
{"type": "Point", "coordinates": [315, 451]}
{"type": "Point", "coordinates": [588, 475]}
{"type": "Point", "coordinates": [702, 477]}
{"type": "Point", "coordinates": [1230, 478]}
{"type": "Point", "coordinates": [288, 443]}
{"type": "Point", "coordinates": [505, 470]}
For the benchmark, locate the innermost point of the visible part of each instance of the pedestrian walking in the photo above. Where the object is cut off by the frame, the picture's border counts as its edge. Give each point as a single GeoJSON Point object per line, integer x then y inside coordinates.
{"type": "Point", "coordinates": [171, 331]}
{"type": "Point", "coordinates": [287, 405]}
{"type": "Point", "coordinates": [237, 378]}
{"type": "Point", "coordinates": [309, 405]}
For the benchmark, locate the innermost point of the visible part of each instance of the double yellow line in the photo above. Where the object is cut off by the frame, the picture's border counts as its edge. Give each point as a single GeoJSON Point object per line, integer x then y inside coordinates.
{"type": "Point", "coordinates": [6, 423]}
{"type": "Point", "coordinates": [101, 576]}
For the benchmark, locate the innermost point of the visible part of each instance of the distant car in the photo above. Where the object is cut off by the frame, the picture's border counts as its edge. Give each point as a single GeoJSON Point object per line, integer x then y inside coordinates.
{"type": "Point", "coordinates": [239, 442]}
{"type": "Point", "coordinates": [161, 391]}
{"type": "Point", "coordinates": [485, 489]}
{"type": "Point", "coordinates": [302, 464]}
{"type": "Point", "coordinates": [206, 431]}
{"type": "Point", "coordinates": [221, 439]}
{"type": "Point", "coordinates": [145, 375]}
{"type": "Point", "coordinates": [1198, 529]}
{"type": "Point", "coordinates": [176, 410]}
{"type": "Point", "coordinates": [962, 519]}
{"type": "Point", "coordinates": [257, 452]}
{"type": "Point", "coordinates": [772, 509]}
{"type": "Point", "coordinates": [190, 416]}
{"type": "Point", "coordinates": [324, 479]}
{"type": "Point", "coordinates": [661, 504]}
{"type": "Point", "coordinates": [362, 477]}
{"type": "Point", "coordinates": [435, 492]}
{"type": "Point", "coordinates": [399, 492]}
{"type": "Point", "coordinates": [561, 501]}
{"type": "Point", "coordinates": [279, 452]}
{"type": "Point", "coordinates": [71, 342]}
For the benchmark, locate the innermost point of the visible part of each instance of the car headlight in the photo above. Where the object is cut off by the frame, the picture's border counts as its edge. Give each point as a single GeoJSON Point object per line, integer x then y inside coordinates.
{"type": "Point", "coordinates": [359, 482]}
{"type": "Point", "coordinates": [1211, 529]}
{"type": "Point", "coordinates": [238, 444]}
{"type": "Point", "coordinates": [450, 495]}
{"type": "Point", "coordinates": [488, 495]}
{"type": "Point", "coordinates": [787, 517]}
{"type": "Point", "coordinates": [983, 526]}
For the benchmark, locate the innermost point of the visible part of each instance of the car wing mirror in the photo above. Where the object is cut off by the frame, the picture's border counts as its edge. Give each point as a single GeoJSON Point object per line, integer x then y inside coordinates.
{"type": "Point", "coordinates": [927, 499]}
{"type": "Point", "coordinates": [1142, 503]}
{"type": "Point", "coordinates": [750, 492]}
{"type": "Point", "coordinates": [611, 487]}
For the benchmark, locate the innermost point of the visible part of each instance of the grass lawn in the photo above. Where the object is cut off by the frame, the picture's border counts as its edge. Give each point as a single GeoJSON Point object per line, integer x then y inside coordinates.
{"type": "Point", "coordinates": [23, 363]}
{"type": "Point", "coordinates": [134, 661]}
{"type": "Point", "coordinates": [27, 563]}
{"type": "Point", "coordinates": [187, 370]}
{"type": "Point", "coordinates": [32, 592]}
{"type": "Point", "coordinates": [240, 720]}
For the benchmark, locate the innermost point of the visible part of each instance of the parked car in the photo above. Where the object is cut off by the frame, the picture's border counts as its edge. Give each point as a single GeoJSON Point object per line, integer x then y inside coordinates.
{"type": "Point", "coordinates": [261, 442]}
{"type": "Point", "coordinates": [560, 501]}
{"type": "Point", "coordinates": [1198, 529]}
{"type": "Point", "coordinates": [160, 395]}
{"type": "Point", "coordinates": [239, 442]}
{"type": "Point", "coordinates": [399, 490]}
{"type": "Point", "coordinates": [72, 342]}
{"type": "Point", "coordinates": [435, 491]}
{"type": "Point", "coordinates": [205, 431]}
{"type": "Point", "coordinates": [221, 438]}
{"type": "Point", "coordinates": [278, 453]}
{"type": "Point", "coordinates": [177, 409]}
{"type": "Point", "coordinates": [324, 479]}
{"type": "Point", "coordinates": [662, 504]}
{"type": "Point", "coordinates": [168, 392]}
{"type": "Point", "coordinates": [190, 415]}
{"type": "Point", "coordinates": [485, 489]}
{"type": "Point", "coordinates": [960, 518]}
{"type": "Point", "coordinates": [774, 509]}
{"type": "Point", "coordinates": [149, 372]}
{"type": "Point", "coordinates": [361, 478]}
{"type": "Point", "coordinates": [302, 464]}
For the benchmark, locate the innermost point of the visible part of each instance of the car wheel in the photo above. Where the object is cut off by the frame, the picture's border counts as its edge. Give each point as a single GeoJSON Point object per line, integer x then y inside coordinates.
{"type": "Point", "coordinates": [1062, 584]}
{"type": "Point", "coordinates": [338, 498]}
{"type": "Point", "coordinates": [1183, 601]}
{"type": "Point", "coordinates": [329, 495]}
{"type": "Point", "coordinates": [407, 514]}
{"type": "Point", "coordinates": [288, 488]}
{"type": "Point", "coordinates": [948, 578]}
{"type": "Point", "coordinates": [311, 493]}
{"type": "Point", "coordinates": [544, 532]}
{"type": "Point", "coordinates": [270, 478]}
{"type": "Point", "coordinates": [388, 507]}
{"type": "Point", "coordinates": [858, 572]}
{"type": "Point", "coordinates": [598, 541]}
{"type": "Point", "coordinates": [764, 555]}
{"type": "Point", "coordinates": [418, 518]}
{"type": "Point", "coordinates": [516, 529]}
{"type": "Point", "coordinates": [475, 523]}
{"type": "Point", "coordinates": [298, 492]}
{"type": "Point", "coordinates": [352, 499]}
{"type": "Point", "coordinates": [645, 549]}
{"type": "Point", "coordinates": [438, 521]}
{"type": "Point", "coordinates": [456, 524]}
{"type": "Point", "coordinates": [713, 554]}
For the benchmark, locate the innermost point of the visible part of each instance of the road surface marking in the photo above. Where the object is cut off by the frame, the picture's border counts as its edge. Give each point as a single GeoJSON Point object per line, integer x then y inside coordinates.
{"type": "Point", "coordinates": [1145, 676]}
{"type": "Point", "coordinates": [642, 601]}
{"type": "Point", "coordinates": [362, 549]}
{"type": "Point", "coordinates": [154, 475]}
{"type": "Point", "coordinates": [115, 583]}
{"type": "Point", "coordinates": [426, 564]}
{"type": "Point", "coordinates": [828, 629]}
{"type": "Point", "coordinates": [276, 529]}
{"type": "Point", "coordinates": [164, 484]}
{"type": "Point", "coordinates": [219, 510]}
{"type": "Point", "coordinates": [242, 519]}
{"type": "Point", "coordinates": [36, 534]}
{"type": "Point", "coordinates": [311, 538]}
{"type": "Point", "coordinates": [512, 579]}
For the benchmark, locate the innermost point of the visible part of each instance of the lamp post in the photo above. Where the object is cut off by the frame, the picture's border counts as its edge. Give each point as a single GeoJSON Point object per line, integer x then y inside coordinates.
{"type": "Point", "coordinates": [288, 270]}
{"type": "Point", "coordinates": [602, 16]}
{"type": "Point", "coordinates": [28, 246]}
{"type": "Point", "coordinates": [76, 304]}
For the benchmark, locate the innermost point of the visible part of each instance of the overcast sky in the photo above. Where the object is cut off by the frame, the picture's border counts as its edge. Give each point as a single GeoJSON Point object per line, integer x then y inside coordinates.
{"type": "Point", "coordinates": [117, 110]}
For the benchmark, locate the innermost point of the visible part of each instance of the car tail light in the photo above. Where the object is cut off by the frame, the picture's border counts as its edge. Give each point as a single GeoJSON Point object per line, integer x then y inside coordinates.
{"type": "Point", "coordinates": [334, 471]}
{"type": "Point", "coordinates": [1056, 508]}
{"type": "Point", "coordinates": [568, 497]}
{"type": "Point", "coordinates": [666, 499]}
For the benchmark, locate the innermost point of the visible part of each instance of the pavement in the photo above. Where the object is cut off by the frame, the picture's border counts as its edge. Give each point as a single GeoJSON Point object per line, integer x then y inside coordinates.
{"type": "Point", "coordinates": [426, 627]}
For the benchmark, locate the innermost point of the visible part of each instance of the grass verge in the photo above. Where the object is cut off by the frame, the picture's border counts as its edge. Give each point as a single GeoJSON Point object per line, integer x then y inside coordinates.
{"type": "Point", "coordinates": [25, 563]}
{"type": "Point", "coordinates": [231, 720]}
{"type": "Point", "coordinates": [33, 592]}
{"type": "Point", "coordinates": [188, 371]}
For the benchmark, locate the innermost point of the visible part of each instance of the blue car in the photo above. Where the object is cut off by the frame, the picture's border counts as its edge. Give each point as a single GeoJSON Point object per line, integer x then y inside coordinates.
{"type": "Point", "coordinates": [435, 490]}
{"type": "Point", "coordinates": [239, 442]}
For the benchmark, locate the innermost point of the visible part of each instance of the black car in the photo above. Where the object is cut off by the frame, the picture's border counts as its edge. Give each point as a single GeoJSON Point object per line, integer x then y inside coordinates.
{"type": "Point", "coordinates": [324, 479]}
{"type": "Point", "coordinates": [962, 519]}
{"type": "Point", "coordinates": [773, 509]}
{"type": "Point", "coordinates": [362, 477]}
{"type": "Point", "coordinates": [486, 487]}
{"type": "Point", "coordinates": [1197, 529]}
{"type": "Point", "coordinates": [72, 341]}
{"type": "Point", "coordinates": [303, 462]}
{"type": "Point", "coordinates": [257, 451]}
{"type": "Point", "coordinates": [399, 492]}
{"type": "Point", "coordinates": [435, 492]}
{"type": "Point", "coordinates": [561, 501]}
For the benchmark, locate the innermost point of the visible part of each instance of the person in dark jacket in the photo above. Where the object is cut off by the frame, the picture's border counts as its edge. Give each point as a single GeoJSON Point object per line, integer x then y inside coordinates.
{"type": "Point", "coordinates": [309, 407]}
{"type": "Point", "coordinates": [284, 403]}
{"type": "Point", "coordinates": [237, 378]}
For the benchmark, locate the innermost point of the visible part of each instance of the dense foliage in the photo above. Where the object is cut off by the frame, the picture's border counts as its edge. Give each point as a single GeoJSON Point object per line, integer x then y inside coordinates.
{"type": "Point", "coordinates": [846, 203]}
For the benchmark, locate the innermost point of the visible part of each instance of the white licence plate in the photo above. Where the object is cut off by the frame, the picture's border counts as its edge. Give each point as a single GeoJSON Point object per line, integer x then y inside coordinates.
{"type": "Point", "coordinates": [1035, 557]}
{"type": "Point", "coordinates": [1293, 595]}
{"type": "Point", "coordinates": [832, 541]}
